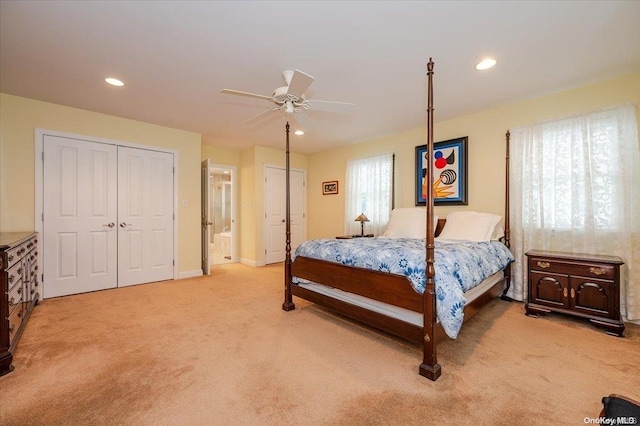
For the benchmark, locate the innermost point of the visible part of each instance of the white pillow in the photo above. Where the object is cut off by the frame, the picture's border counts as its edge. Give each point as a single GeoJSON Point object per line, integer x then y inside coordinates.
{"type": "Point", "coordinates": [469, 226]}
{"type": "Point", "coordinates": [498, 232]}
{"type": "Point", "coordinates": [408, 222]}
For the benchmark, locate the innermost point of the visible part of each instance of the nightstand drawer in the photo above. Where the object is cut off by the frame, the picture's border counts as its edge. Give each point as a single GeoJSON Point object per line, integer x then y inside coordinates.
{"type": "Point", "coordinates": [545, 264]}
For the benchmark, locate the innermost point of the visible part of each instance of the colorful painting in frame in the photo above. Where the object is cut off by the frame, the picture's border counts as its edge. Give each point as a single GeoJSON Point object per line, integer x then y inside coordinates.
{"type": "Point", "coordinates": [449, 165]}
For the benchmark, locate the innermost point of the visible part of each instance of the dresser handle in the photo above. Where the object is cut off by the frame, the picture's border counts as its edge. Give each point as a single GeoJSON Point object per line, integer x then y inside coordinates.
{"type": "Point", "coordinates": [11, 328]}
{"type": "Point", "coordinates": [597, 271]}
{"type": "Point", "coordinates": [10, 258]}
{"type": "Point", "coordinates": [573, 293]}
{"type": "Point", "coordinates": [544, 265]}
{"type": "Point", "coordinates": [565, 292]}
{"type": "Point", "coordinates": [11, 277]}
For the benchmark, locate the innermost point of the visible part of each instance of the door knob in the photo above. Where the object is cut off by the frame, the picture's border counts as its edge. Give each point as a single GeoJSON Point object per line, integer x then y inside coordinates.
{"type": "Point", "coordinates": [110, 224]}
{"type": "Point", "coordinates": [282, 221]}
{"type": "Point", "coordinates": [124, 225]}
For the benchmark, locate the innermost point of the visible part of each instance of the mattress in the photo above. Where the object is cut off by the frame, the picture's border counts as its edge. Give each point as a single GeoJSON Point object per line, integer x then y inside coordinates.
{"type": "Point", "coordinates": [392, 311]}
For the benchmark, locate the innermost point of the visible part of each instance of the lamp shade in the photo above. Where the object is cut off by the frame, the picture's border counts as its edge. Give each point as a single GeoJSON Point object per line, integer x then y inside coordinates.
{"type": "Point", "coordinates": [362, 218]}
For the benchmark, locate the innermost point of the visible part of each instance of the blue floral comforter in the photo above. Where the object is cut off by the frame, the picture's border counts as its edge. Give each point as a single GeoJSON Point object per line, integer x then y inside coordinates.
{"type": "Point", "coordinates": [459, 265]}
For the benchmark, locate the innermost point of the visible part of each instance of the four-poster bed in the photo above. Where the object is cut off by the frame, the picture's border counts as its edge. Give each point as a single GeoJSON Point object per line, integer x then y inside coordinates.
{"type": "Point", "coordinates": [394, 291]}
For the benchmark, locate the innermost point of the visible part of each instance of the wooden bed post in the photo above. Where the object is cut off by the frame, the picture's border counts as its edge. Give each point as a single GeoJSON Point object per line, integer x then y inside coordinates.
{"type": "Point", "coordinates": [507, 227]}
{"type": "Point", "coordinates": [507, 232]}
{"type": "Point", "coordinates": [288, 304]}
{"type": "Point", "coordinates": [429, 367]}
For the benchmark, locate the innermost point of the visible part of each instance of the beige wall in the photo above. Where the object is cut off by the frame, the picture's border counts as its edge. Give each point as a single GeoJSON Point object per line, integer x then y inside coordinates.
{"type": "Point", "coordinates": [19, 117]}
{"type": "Point", "coordinates": [486, 151]}
{"type": "Point", "coordinates": [229, 157]}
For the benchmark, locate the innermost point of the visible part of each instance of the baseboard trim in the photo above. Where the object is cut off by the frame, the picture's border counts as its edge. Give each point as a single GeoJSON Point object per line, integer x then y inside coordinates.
{"type": "Point", "coordinates": [189, 274]}
{"type": "Point", "coordinates": [252, 262]}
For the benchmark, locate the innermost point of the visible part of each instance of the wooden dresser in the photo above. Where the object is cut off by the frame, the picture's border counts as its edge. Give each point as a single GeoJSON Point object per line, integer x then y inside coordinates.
{"type": "Point", "coordinates": [581, 285]}
{"type": "Point", "coordinates": [19, 290]}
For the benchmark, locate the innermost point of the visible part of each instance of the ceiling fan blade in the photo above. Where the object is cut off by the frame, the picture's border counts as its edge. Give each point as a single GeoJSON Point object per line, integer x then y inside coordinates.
{"type": "Point", "coordinates": [302, 120]}
{"type": "Point", "coordinates": [251, 95]}
{"type": "Point", "coordinates": [255, 117]}
{"type": "Point", "coordinates": [331, 106]}
{"type": "Point", "coordinates": [300, 82]}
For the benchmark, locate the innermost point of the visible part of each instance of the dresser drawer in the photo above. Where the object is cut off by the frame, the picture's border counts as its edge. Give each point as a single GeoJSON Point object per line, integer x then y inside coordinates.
{"type": "Point", "coordinates": [14, 274]}
{"type": "Point", "coordinates": [31, 243]}
{"type": "Point", "coordinates": [593, 270]}
{"type": "Point", "coordinates": [15, 254]}
{"type": "Point", "coordinates": [14, 296]}
{"type": "Point", "coordinates": [15, 319]}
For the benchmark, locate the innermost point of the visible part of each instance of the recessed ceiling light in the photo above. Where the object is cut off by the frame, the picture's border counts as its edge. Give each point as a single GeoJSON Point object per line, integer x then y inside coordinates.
{"type": "Point", "coordinates": [299, 132]}
{"type": "Point", "coordinates": [114, 81]}
{"type": "Point", "coordinates": [485, 64]}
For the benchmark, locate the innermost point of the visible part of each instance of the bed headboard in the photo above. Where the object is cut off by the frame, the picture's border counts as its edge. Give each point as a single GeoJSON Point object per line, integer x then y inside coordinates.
{"type": "Point", "coordinates": [439, 226]}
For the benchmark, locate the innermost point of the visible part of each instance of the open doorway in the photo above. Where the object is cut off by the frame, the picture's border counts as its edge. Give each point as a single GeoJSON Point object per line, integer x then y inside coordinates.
{"type": "Point", "coordinates": [218, 215]}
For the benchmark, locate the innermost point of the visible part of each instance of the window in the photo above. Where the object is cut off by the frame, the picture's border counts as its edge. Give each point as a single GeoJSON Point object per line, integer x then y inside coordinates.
{"type": "Point", "coordinates": [368, 191]}
{"type": "Point", "coordinates": [573, 172]}
{"type": "Point", "coordinates": [576, 188]}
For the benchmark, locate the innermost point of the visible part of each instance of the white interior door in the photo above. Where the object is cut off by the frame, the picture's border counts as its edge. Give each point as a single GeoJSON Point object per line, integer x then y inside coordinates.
{"type": "Point", "coordinates": [145, 216]}
{"type": "Point", "coordinates": [79, 216]}
{"type": "Point", "coordinates": [274, 215]}
{"type": "Point", "coordinates": [205, 217]}
{"type": "Point", "coordinates": [275, 212]}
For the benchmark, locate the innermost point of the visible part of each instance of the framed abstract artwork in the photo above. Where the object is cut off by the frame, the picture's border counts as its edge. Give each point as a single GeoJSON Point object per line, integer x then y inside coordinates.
{"type": "Point", "coordinates": [449, 165]}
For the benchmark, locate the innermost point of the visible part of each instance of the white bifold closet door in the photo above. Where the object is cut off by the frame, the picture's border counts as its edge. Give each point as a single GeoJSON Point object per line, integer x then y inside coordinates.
{"type": "Point", "coordinates": [80, 213]}
{"type": "Point", "coordinates": [145, 216]}
{"type": "Point", "coordinates": [107, 216]}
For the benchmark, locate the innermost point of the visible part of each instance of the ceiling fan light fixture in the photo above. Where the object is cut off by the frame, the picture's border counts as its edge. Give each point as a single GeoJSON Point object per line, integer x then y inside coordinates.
{"type": "Point", "coordinates": [114, 81]}
{"type": "Point", "coordinates": [485, 64]}
{"type": "Point", "coordinates": [288, 107]}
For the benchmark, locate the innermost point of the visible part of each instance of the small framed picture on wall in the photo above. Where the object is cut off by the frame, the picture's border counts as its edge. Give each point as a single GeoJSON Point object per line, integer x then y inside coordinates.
{"type": "Point", "coordinates": [330, 187]}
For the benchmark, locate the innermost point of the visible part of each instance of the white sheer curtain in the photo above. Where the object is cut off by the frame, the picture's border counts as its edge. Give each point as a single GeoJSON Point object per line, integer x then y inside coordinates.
{"type": "Point", "coordinates": [575, 187]}
{"type": "Point", "coordinates": [368, 191]}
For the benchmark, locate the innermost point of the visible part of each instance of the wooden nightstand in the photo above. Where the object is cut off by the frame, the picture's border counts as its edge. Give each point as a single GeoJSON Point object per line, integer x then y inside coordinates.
{"type": "Point", "coordinates": [581, 285]}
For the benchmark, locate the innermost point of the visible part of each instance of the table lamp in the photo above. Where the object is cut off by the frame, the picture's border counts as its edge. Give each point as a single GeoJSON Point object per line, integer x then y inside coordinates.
{"type": "Point", "coordinates": [362, 219]}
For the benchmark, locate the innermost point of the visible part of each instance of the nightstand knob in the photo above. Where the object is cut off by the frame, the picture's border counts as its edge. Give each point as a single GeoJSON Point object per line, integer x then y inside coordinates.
{"type": "Point", "coordinates": [565, 292]}
{"type": "Point", "coordinates": [544, 265]}
{"type": "Point", "coordinates": [573, 293]}
{"type": "Point", "coordinates": [597, 271]}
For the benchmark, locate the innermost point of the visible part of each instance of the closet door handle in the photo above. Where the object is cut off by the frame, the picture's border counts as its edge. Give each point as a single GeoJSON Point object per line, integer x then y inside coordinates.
{"type": "Point", "coordinates": [124, 225]}
{"type": "Point", "coordinates": [110, 224]}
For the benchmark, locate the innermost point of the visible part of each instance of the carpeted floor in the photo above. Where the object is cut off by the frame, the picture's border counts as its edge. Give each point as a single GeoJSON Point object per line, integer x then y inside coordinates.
{"type": "Point", "coordinates": [219, 350]}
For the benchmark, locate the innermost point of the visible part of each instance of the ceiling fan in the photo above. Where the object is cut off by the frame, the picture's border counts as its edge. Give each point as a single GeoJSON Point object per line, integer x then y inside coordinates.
{"type": "Point", "coordinates": [291, 100]}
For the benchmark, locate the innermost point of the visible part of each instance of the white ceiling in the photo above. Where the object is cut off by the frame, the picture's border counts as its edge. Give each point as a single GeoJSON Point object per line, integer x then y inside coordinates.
{"type": "Point", "coordinates": [176, 56]}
